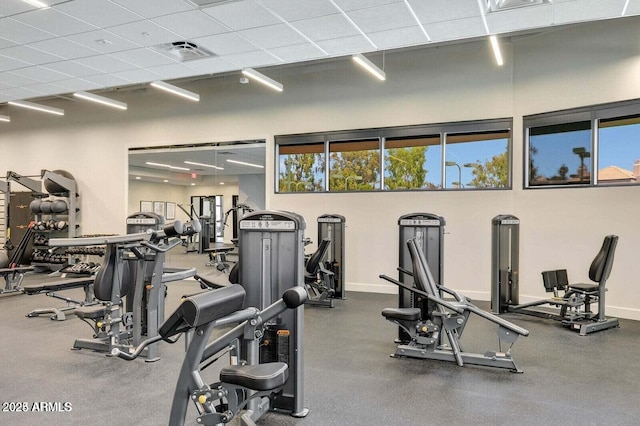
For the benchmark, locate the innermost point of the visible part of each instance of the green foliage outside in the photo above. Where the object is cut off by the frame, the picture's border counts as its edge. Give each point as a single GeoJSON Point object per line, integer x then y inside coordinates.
{"type": "Point", "coordinates": [405, 168]}
{"type": "Point", "coordinates": [493, 173]}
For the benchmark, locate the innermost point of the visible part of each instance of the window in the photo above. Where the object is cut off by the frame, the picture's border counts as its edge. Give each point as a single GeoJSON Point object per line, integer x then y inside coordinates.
{"type": "Point", "coordinates": [477, 160]}
{"type": "Point", "coordinates": [619, 150]}
{"type": "Point", "coordinates": [412, 163]}
{"type": "Point", "coordinates": [560, 154]}
{"type": "Point", "coordinates": [301, 167]}
{"type": "Point", "coordinates": [354, 165]}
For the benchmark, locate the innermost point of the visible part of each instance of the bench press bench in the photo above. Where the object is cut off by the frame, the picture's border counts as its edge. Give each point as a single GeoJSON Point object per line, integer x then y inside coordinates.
{"type": "Point", "coordinates": [13, 278]}
{"type": "Point", "coordinates": [51, 287]}
{"type": "Point", "coordinates": [218, 256]}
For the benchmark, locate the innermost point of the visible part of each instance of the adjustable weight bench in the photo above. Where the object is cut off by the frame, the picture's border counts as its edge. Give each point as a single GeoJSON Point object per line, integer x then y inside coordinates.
{"type": "Point", "coordinates": [13, 278]}
{"type": "Point", "coordinates": [51, 287]}
{"type": "Point", "coordinates": [218, 256]}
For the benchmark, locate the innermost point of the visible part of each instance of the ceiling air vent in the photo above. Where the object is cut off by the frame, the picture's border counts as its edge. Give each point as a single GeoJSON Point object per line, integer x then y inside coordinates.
{"type": "Point", "coordinates": [184, 50]}
{"type": "Point", "coordinates": [497, 5]}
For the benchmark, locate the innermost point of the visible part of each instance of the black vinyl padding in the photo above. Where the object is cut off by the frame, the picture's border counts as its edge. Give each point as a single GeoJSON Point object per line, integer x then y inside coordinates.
{"type": "Point", "coordinates": [601, 266]}
{"type": "Point", "coordinates": [57, 285]}
{"type": "Point", "coordinates": [316, 258]}
{"type": "Point", "coordinates": [104, 281]}
{"type": "Point", "coordinates": [259, 377]}
{"type": "Point", "coordinates": [402, 314]}
{"type": "Point", "coordinates": [294, 297]}
{"type": "Point", "coordinates": [203, 308]}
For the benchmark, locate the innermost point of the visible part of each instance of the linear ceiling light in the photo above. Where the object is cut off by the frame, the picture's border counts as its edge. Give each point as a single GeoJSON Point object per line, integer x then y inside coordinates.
{"type": "Point", "coordinates": [245, 164]}
{"type": "Point", "coordinates": [37, 107]}
{"type": "Point", "coordinates": [100, 99]}
{"type": "Point", "coordinates": [167, 165]}
{"type": "Point", "coordinates": [496, 49]}
{"type": "Point", "coordinates": [193, 163]}
{"type": "Point", "coordinates": [37, 3]}
{"type": "Point", "coordinates": [259, 77]}
{"type": "Point", "coordinates": [5, 118]}
{"type": "Point", "coordinates": [370, 66]}
{"type": "Point", "coordinates": [176, 90]}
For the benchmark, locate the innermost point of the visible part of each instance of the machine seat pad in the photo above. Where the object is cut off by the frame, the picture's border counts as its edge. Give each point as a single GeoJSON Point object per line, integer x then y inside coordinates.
{"type": "Point", "coordinates": [50, 286]}
{"type": "Point", "coordinates": [220, 248]}
{"type": "Point", "coordinates": [91, 312]}
{"type": "Point", "coordinates": [402, 314]}
{"type": "Point", "coordinates": [260, 377]}
{"type": "Point", "coordinates": [586, 287]}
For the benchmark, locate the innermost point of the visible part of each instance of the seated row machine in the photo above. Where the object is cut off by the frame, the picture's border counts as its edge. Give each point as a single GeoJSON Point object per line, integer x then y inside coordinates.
{"type": "Point", "coordinates": [444, 318]}
{"type": "Point", "coordinates": [248, 387]}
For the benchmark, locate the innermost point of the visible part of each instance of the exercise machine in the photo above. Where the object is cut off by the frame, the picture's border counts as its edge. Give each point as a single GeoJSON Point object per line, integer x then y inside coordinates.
{"type": "Point", "coordinates": [445, 317]}
{"type": "Point", "coordinates": [428, 231]}
{"type": "Point", "coordinates": [131, 284]}
{"type": "Point", "coordinates": [332, 227]}
{"type": "Point", "coordinates": [251, 388]}
{"type": "Point", "coordinates": [218, 256]}
{"type": "Point", "coordinates": [573, 307]}
{"type": "Point", "coordinates": [318, 280]}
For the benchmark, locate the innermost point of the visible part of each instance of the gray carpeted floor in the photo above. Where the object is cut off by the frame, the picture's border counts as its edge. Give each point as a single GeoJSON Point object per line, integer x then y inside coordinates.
{"type": "Point", "coordinates": [350, 378]}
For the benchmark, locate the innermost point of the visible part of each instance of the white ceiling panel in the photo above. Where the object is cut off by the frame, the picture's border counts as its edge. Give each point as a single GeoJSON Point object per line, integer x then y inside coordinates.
{"type": "Point", "coordinates": [42, 74]}
{"type": "Point", "coordinates": [172, 71]}
{"type": "Point", "coordinates": [29, 55]}
{"type": "Point", "coordinates": [190, 24]}
{"type": "Point", "coordinates": [392, 39]}
{"type": "Point", "coordinates": [64, 48]}
{"type": "Point", "coordinates": [145, 33]}
{"type": "Point", "coordinates": [107, 80]}
{"type": "Point", "coordinates": [139, 75]}
{"type": "Point", "coordinates": [445, 10]}
{"type": "Point", "coordinates": [456, 30]}
{"type": "Point", "coordinates": [18, 32]}
{"type": "Point", "coordinates": [225, 44]}
{"type": "Point", "coordinates": [73, 68]}
{"type": "Point", "coordinates": [14, 78]}
{"type": "Point", "coordinates": [143, 57]}
{"type": "Point", "coordinates": [102, 14]}
{"type": "Point", "coordinates": [587, 10]}
{"type": "Point", "coordinates": [520, 18]}
{"type": "Point", "coordinates": [55, 22]}
{"type": "Point", "coordinates": [46, 89]}
{"type": "Point", "coordinates": [345, 45]}
{"type": "Point", "coordinates": [633, 8]}
{"type": "Point", "coordinates": [6, 43]}
{"type": "Point", "coordinates": [326, 27]}
{"type": "Point", "coordinates": [381, 18]}
{"type": "Point", "coordinates": [242, 15]}
{"type": "Point", "coordinates": [348, 5]}
{"type": "Point", "coordinates": [210, 66]}
{"type": "Point", "coordinates": [77, 84]}
{"type": "Point", "coordinates": [295, 10]}
{"type": "Point", "coordinates": [153, 8]}
{"type": "Point", "coordinates": [103, 41]}
{"type": "Point", "coordinates": [7, 63]}
{"type": "Point", "coordinates": [257, 58]}
{"type": "Point", "coordinates": [299, 52]}
{"type": "Point", "coordinates": [22, 92]}
{"type": "Point", "coordinates": [11, 7]}
{"type": "Point", "coordinates": [273, 36]}
{"type": "Point", "coordinates": [105, 63]}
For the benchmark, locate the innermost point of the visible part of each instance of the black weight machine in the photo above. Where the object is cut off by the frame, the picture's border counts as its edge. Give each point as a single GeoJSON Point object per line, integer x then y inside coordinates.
{"type": "Point", "coordinates": [445, 317]}
{"type": "Point", "coordinates": [573, 307]}
{"type": "Point", "coordinates": [318, 280]}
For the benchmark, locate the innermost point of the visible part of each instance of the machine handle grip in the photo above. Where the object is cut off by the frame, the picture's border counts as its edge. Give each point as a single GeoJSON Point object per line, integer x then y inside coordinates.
{"type": "Point", "coordinates": [138, 350]}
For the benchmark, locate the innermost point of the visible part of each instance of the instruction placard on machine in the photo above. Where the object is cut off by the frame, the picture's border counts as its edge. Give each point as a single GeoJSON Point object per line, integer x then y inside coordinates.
{"type": "Point", "coordinates": [276, 225]}
{"type": "Point", "coordinates": [420, 222]}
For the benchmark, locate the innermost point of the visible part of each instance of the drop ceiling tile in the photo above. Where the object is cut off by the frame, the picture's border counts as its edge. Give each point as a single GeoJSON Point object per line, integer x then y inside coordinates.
{"type": "Point", "coordinates": [143, 57]}
{"type": "Point", "coordinates": [273, 36]}
{"type": "Point", "coordinates": [20, 33]}
{"type": "Point", "coordinates": [585, 10]}
{"type": "Point", "coordinates": [153, 8]}
{"type": "Point", "coordinates": [64, 48]}
{"type": "Point", "coordinates": [295, 10]}
{"type": "Point", "coordinates": [19, 93]}
{"type": "Point", "coordinates": [172, 71]}
{"type": "Point", "coordinates": [139, 75]}
{"type": "Point", "coordinates": [381, 18]}
{"type": "Point", "coordinates": [326, 27]}
{"type": "Point", "coordinates": [520, 19]}
{"type": "Point", "coordinates": [241, 15]}
{"type": "Point", "coordinates": [225, 44]}
{"type": "Point", "coordinates": [14, 78]}
{"type": "Point", "coordinates": [6, 43]}
{"type": "Point", "coordinates": [347, 5]}
{"type": "Point", "coordinates": [258, 58]}
{"type": "Point", "coordinates": [55, 22]}
{"type": "Point", "coordinates": [401, 37]}
{"type": "Point", "coordinates": [210, 66]}
{"type": "Point", "coordinates": [103, 41]}
{"type": "Point", "coordinates": [299, 52]}
{"type": "Point", "coordinates": [456, 30]}
{"type": "Point", "coordinates": [444, 10]}
{"type": "Point", "coordinates": [46, 89]}
{"type": "Point", "coordinates": [73, 68]}
{"type": "Point", "coordinates": [77, 84]}
{"type": "Point", "coordinates": [633, 8]}
{"type": "Point", "coordinates": [42, 74]}
{"type": "Point", "coordinates": [107, 80]}
{"type": "Point", "coordinates": [345, 45]}
{"type": "Point", "coordinates": [145, 33]}
{"type": "Point", "coordinates": [190, 24]}
{"type": "Point", "coordinates": [11, 7]}
{"type": "Point", "coordinates": [29, 55]}
{"type": "Point", "coordinates": [100, 13]}
{"type": "Point", "coordinates": [7, 63]}
{"type": "Point", "coordinates": [105, 63]}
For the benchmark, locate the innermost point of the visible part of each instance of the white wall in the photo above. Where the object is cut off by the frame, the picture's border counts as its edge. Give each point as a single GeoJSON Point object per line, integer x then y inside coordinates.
{"type": "Point", "coordinates": [582, 65]}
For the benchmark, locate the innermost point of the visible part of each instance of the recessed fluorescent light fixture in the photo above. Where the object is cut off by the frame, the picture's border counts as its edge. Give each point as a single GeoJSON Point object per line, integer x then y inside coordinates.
{"type": "Point", "coordinates": [100, 99]}
{"type": "Point", "coordinates": [176, 90]}
{"type": "Point", "coordinates": [370, 66]}
{"type": "Point", "coordinates": [245, 164]}
{"type": "Point", "coordinates": [166, 165]}
{"type": "Point", "coordinates": [261, 78]}
{"type": "Point", "coordinates": [5, 118]}
{"type": "Point", "coordinates": [37, 3]}
{"type": "Point", "coordinates": [193, 163]}
{"type": "Point", "coordinates": [37, 107]}
{"type": "Point", "coordinates": [496, 49]}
